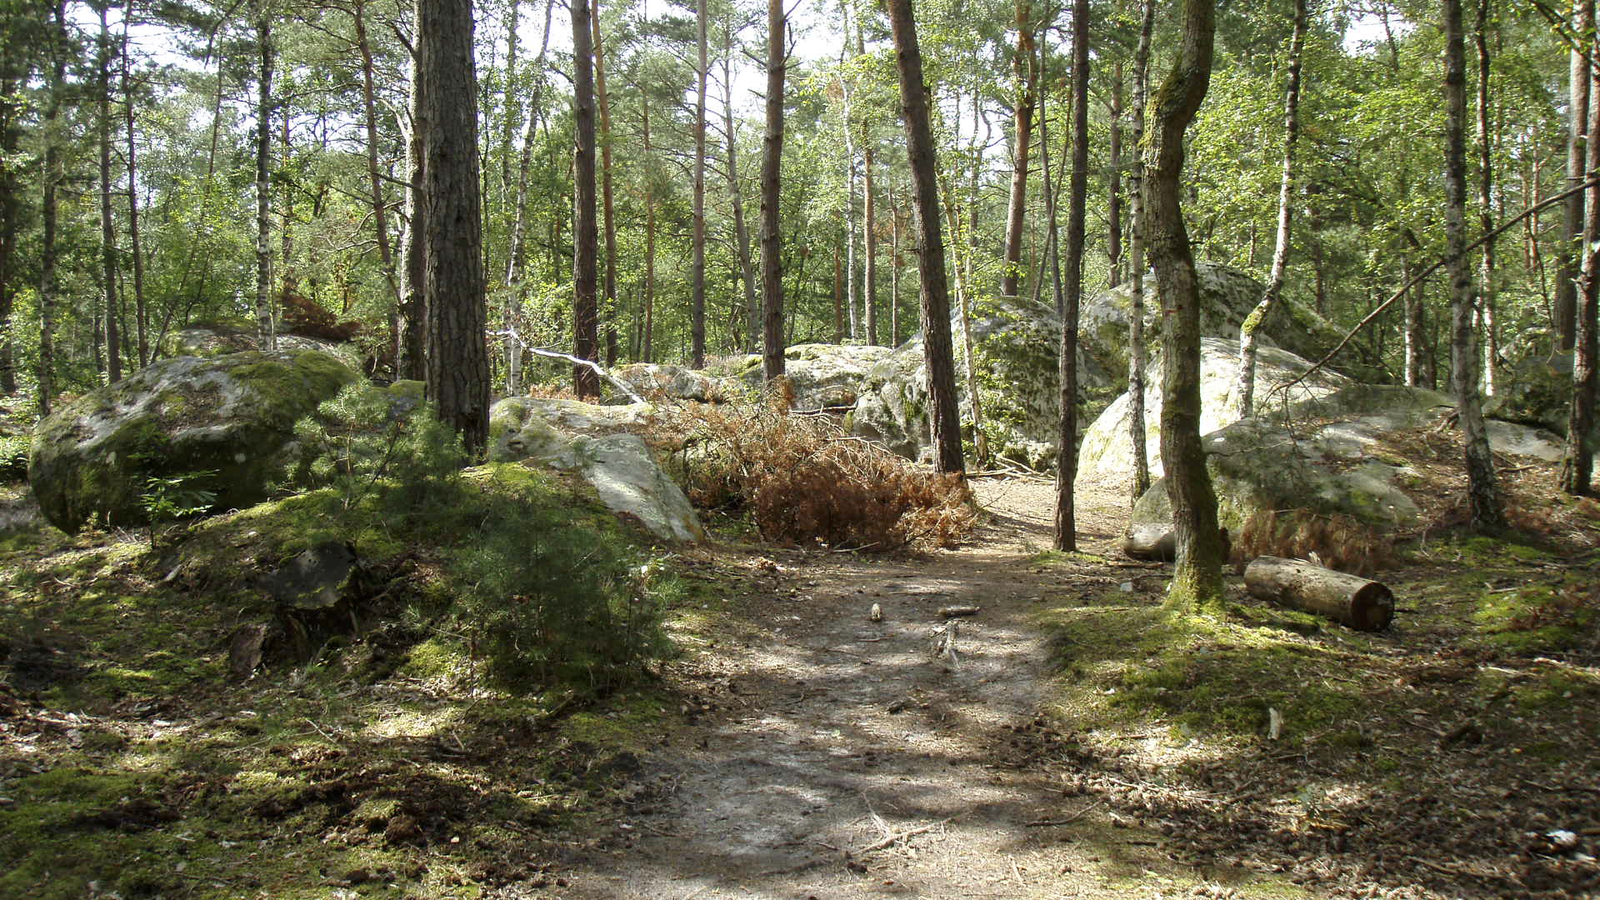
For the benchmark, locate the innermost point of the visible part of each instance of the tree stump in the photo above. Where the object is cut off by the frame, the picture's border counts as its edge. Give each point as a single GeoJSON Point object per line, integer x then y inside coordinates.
{"type": "Point", "coordinates": [1347, 599]}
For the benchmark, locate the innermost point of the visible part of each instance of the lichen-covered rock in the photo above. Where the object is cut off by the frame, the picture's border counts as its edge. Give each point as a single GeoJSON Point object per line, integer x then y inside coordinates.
{"type": "Point", "coordinates": [822, 376]}
{"type": "Point", "coordinates": [660, 382]}
{"type": "Point", "coordinates": [893, 406]}
{"type": "Point", "coordinates": [1105, 455]}
{"type": "Point", "coordinates": [1227, 295]}
{"type": "Point", "coordinates": [219, 340]}
{"type": "Point", "coordinates": [220, 424]}
{"type": "Point", "coordinates": [618, 464]}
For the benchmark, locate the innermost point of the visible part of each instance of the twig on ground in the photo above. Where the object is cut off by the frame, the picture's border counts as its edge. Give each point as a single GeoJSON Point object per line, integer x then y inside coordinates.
{"type": "Point", "coordinates": [900, 836]}
{"type": "Point", "coordinates": [1047, 823]}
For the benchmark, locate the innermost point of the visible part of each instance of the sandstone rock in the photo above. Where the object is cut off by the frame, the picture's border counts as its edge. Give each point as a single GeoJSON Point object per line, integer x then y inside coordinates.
{"type": "Point", "coordinates": [661, 382]}
{"type": "Point", "coordinates": [618, 464]}
{"type": "Point", "coordinates": [218, 340]}
{"type": "Point", "coordinates": [222, 424]}
{"type": "Point", "coordinates": [823, 376]}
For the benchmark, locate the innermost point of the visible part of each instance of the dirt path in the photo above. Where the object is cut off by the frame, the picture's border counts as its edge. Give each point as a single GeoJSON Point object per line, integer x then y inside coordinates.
{"type": "Point", "coordinates": [841, 757]}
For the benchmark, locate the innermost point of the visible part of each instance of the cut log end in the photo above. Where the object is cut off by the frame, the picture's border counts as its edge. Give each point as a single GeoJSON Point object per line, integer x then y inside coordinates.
{"type": "Point", "coordinates": [1372, 607]}
{"type": "Point", "coordinates": [1347, 599]}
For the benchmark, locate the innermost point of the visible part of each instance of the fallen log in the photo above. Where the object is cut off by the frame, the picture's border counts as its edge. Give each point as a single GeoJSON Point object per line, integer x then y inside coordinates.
{"type": "Point", "coordinates": [1158, 543]}
{"type": "Point", "coordinates": [1347, 599]}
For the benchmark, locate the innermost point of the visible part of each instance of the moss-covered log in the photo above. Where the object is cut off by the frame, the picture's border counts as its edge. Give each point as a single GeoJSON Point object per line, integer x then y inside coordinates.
{"type": "Point", "coordinates": [1347, 599]}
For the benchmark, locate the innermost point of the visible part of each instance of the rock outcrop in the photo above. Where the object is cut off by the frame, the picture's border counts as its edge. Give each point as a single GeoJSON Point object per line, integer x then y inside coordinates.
{"type": "Point", "coordinates": [590, 441]}
{"type": "Point", "coordinates": [220, 426]}
{"type": "Point", "coordinates": [220, 340]}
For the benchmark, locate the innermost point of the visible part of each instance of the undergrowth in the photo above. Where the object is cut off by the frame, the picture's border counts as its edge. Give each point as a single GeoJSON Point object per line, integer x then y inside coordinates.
{"type": "Point", "coordinates": [1342, 542]}
{"type": "Point", "coordinates": [804, 480]}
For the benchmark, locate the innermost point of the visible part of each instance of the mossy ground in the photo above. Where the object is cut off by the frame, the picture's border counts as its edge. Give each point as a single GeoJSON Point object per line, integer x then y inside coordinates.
{"type": "Point", "coordinates": [1465, 725]}
{"type": "Point", "coordinates": [390, 763]}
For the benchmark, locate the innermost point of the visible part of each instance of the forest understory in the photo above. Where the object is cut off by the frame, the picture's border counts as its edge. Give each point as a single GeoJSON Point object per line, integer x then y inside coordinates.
{"type": "Point", "coordinates": [1067, 740]}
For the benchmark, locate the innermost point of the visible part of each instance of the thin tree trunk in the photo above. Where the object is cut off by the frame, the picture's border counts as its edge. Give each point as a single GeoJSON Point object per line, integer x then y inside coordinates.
{"type": "Point", "coordinates": [944, 418]}
{"type": "Point", "coordinates": [10, 214]}
{"type": "Point", "coordinates": [698, 272]}
{"type": "Point", "coordinates": [266, 334]}
{"type": "Point", "coordinates": [1578, 462]}
{"type": "Point", "coordinates": [1412, 367]}
{"type": "Point", "coordinates": [508, 118]}
{"type": "Point", "coordinates": [648, 353]}
{"type": "Point", "coordinates": [1026, 75]}
{"type": "Point", "coordinates": [838, 294]}
{"type": "Point", "coordinates": [411, 341]}
{"type": "Point", "coordinates": [1482, 490]}
{"type": "Point", "coordinates": [380, 209]}
{"type": "Point", "coordinates": [1077, 193]}
{"type": "Point", "coordinates": [49, 207]}
{"type": "Point", "coordinates": [585, 230]}
{"type": "Point", "coordinates": [1491, 338]}
{"type": "Point", "coordinates": [457, 358]}
{"type": "Point", "coordinates": [1197, 575]}
{"type": "Point", "coordinates": [1244, 390]}
{"type": "Point", "coordinates": [141, 314]}
{"type": "Point", "coordinates": [849, 200]}
{"type": "Point", "coordinates": [1136, 342]}
{"type": "Point", "coordinates": [1567, 255]}
{"type": "Point", "coordinates": [741, 232]}
{"type": "Point", "coordinates": [289, 279]}
{"type": "Point", "coordinates": [1114, 204]}
{"type": "Point", "coordinates": [771, 163]}
{"type": "Point", "coordinates": [517, 257]}
{"type": "Point", "coordinates": [608, 309]}
{"type": "Point", "coordinates": [894, 269]}
{"type": "Point", "coordinates": [108, 236]}
{"type": "Point", "coordinates": [869, 244]}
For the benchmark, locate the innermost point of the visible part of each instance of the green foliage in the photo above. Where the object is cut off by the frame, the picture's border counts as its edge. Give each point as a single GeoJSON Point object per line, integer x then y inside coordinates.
{"type": "Point", "coordinates": [13, 457]}
{"type": "Point", "coordinates": [367, 438]}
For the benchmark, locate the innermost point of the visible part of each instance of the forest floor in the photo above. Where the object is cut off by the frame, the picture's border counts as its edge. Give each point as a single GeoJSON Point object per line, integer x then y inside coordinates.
{"type": "Point", "coordinates": [1078, 742]}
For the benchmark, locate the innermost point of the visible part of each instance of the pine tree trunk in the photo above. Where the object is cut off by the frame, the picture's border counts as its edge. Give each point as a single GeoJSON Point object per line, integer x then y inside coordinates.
{"type": "Point", "coordinates": [1026, 75]}
{"type": "Point", "coordinates": [266, 334]}
{"type": "Point", "coordinates": [772, 344]}
{"type": "Point", "coordinates": [946, 423]}
{"type": "Point", "coordinates": [1244, 390]}
{"type": "Point", "coordinates": [1136, 264]}
{"type": "Point", "coordinates": [1077, 195]}
{"type": "Point", "coordinates": [585, 230]}
{"type": "Point", "coordinates": [1114, 201]}
{"type": "Point", "coordinates": [457, 359]}
{"type": "Point", "coordinates": [698, 272]}
{"type": "Point", "coordinates": [1197, 575]}
{"type": "Point", "coordinates": [648, 352]}
{"type": "Point", "coordinates": [517, 255]}
{"type": "Point", "coordinates": [1567, 249]}
{"type": "Point", "coordinates": [1482, 490]}
{"type": "Point", "coordinates": [108, 236]}
{"type": "Point", "coordinates": [10, 213]}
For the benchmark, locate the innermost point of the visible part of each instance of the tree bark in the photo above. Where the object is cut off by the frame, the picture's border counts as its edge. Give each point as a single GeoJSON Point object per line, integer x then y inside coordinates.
{"type": "Point", "coordinates": [10, 224]}
{"type": "Point", "coordinates": [108, 236]}
{"type": "Point", "coordinates": [1245, 388]}
{"type": "Point", "coordinates": [517, 255]}
{"type": "Point", "coordinates": [1114, 201]}
{"type": "Point", "coordinates": [648, 351]}
{"type": "Point", "coordinates": [266, 333]}
{"type": "Point", "coordinates": [945, 420]}
{"type": "Point", "coordinates": [1347, 599]}
{"type": "Point", "coordinates": [1486, 303]}
{"type": "Point", "coordinates": [1482, 490]}
{"type": "Point", "coordinates": [458, 360]}
{"type": "Point", "coordinates": [698, 272]}
{"type": "Point", "coordinates": [1136, 265]}
{"type": "Point", "coordinates": [869, 241]}
{"type": "Point", "coordinates": [1567, 255]}
{"type": "Point", "coordinates": [585, 312]}
{"type": "Point", "coordinates": [1197, 576]}
{"type": "Point", "coordinates": [771, 191]}
{"type": "Point", "coordinates": [1077, 193]}
{"type": "Point", "coordinates": [1026, 73]}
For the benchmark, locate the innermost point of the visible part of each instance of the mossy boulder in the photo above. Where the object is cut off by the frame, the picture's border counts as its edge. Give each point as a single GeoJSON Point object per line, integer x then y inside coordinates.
{"type": "Point", "coordinates": [222, 425]}
{"type": "Point", "coordinates": [618, 464]}
{"type": "Point", "coordinates": [220, 339]}
{"type": "Point", "coordinates": [1227, 295]}
{"type": "Point", "coordinates": [822, 376]}
{"type": "Point", "coordinates": [653, 381]}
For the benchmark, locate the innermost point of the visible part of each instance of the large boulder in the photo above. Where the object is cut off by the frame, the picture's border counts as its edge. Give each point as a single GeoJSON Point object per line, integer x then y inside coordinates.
{"type": "Point", "coordinates": [219, 425]}
{"type": "Point", "coordinates": [618, 464]}
{"type": "Point", "coordinates": [1227, 295]}
{"type": "Point", "coordinates": [1343, 453]}
{"type": "Point", "coordinates": [1105, 455]}
{"type": "Point", "coordinates": [653, 381]}
{"type": "Point", "coordinates": [220, 340]}
{"type": "Point", "coordinates": [821, 376]}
